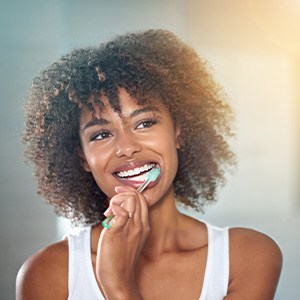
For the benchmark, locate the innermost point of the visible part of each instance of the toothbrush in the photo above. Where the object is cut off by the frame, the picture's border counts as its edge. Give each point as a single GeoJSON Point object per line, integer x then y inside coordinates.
{"type": "Point", "coordinates": [152, 176]}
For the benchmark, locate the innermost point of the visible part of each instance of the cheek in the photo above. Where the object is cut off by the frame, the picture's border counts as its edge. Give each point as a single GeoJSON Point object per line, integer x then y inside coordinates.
{"type": "Point", "coordinates": [168, 146]}
{"type": "Point", "coordinates": [96, 159]}
{"type": "Point", "coordinates": [93, 162]}
{"type": "Point", "coordinates": [102, 180]}
{"type": "Point", "coordinates": [97, 165]}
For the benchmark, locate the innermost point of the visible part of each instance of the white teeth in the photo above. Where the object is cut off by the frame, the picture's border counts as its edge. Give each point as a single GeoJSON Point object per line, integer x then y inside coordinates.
{"type": "Point", "coordinates": [131, 172]}
{"type": "Point", "coordinates": [135, 171]}
{"type": "Point", "coordinates": [141, 177]}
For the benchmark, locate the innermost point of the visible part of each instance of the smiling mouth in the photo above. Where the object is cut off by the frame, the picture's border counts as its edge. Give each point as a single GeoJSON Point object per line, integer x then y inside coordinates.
{"type": "Point", "coordinates": [136, 174]}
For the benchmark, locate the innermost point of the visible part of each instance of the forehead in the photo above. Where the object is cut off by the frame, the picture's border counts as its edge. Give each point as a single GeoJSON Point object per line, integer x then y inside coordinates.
{"type": "Point", "coordinates": [124, 106]}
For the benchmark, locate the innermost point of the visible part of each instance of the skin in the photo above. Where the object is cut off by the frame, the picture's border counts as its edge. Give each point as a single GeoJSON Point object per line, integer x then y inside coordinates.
{"type": "Point", "coordinates": [147, 255]}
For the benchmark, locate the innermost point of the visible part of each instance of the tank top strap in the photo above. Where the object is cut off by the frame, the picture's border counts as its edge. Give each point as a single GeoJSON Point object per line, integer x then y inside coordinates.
{"type": "Point", "coordinates": [217, 275]}
{"type": "Point", "coordinates": [82, 283]}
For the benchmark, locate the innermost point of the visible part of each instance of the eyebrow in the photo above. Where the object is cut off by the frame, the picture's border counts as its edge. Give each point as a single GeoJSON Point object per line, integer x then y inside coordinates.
{"type": "Point", "coordinates": [101, 121]}
{"type": "Point", "coordinates": [94, 122]}
{"type": "Point", "coordinates": [144, 110]}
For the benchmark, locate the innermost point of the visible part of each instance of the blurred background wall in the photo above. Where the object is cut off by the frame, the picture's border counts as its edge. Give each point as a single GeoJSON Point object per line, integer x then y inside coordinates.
{"type": "Point", "coordinates": [253, 49]}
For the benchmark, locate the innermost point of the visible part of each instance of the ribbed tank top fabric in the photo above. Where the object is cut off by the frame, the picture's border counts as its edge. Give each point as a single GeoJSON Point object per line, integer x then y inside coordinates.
{"type": "Point", "coordinates": [216, 279]}
{"type": "Point", "coordinates": [82, 283]}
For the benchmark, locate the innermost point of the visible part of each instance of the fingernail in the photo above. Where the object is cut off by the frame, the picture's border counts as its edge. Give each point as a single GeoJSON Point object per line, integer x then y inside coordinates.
{"type": "Point", "coordinates": [107, 212]}
{"type": "Point", "coordinates": [120, 189]}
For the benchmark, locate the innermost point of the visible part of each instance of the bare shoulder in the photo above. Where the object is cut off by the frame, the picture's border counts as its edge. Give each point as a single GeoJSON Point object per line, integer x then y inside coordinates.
{"type": "Point", "coordinates": [255, 265]}
{"type": "Point", "coordinates": [249, 239]}
{"type": "Point", "coordinates": [44, 275]}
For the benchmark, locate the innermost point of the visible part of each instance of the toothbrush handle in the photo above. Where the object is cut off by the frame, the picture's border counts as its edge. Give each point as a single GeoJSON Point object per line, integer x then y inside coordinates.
{"type": "Point", "coordinates": [106, 222]}
{"type": "Point", "coordinates": [144, 185]}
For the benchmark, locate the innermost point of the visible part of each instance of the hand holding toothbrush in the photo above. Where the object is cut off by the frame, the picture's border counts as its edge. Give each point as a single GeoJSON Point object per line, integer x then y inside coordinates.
{"type": "Point", "coordinates": [152, 176]}
{"type": "Point", "coordinates": [120, 246]}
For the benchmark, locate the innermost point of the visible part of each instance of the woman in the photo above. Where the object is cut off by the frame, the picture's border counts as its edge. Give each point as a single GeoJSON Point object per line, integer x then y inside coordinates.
{"type": "Point", "coordinates": [98, 121]}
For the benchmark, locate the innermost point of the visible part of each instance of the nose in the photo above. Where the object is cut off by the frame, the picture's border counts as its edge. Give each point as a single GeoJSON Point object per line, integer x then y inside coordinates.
{"type": "Point", "coordinates": [127, 145]}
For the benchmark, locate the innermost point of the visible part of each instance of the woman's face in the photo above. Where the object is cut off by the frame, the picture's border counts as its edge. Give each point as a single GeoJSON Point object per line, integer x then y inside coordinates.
{"type": "Point", "coordinates": [121, 148]}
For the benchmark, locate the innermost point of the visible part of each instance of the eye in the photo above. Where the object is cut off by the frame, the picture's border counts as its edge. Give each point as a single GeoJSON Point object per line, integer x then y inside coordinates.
{"type": "Point", "coordinates": [101, 135]}
{"type": "Point", "coordinates": [146, 123]}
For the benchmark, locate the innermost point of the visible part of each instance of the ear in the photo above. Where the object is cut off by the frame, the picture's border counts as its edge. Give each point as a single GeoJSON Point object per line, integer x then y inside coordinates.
{"type": "Point", "coordinates": [83, 160]}
{"type": "Point", "coordinates": [177, 135]}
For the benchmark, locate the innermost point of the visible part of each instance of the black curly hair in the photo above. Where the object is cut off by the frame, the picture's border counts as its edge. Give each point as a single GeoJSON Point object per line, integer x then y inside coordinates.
{"type": "Point", "coordinates": [150, 64]}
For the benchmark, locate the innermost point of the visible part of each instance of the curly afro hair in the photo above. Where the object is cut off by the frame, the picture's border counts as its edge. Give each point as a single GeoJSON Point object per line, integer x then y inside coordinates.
{"type": "Point", "coordinates": [151, 64]}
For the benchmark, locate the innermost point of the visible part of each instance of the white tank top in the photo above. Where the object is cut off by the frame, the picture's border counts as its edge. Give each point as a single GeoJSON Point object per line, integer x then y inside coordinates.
{"type": "Point", "coordinates": [82, 282]}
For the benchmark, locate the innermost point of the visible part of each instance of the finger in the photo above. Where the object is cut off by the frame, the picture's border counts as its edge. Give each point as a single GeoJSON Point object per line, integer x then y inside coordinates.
{"type": "Point", "coordinates": [120, 217]}
{"type": "Point", "coordinates": [124, 188]}
{"type": "Point", "coordinates": [126, 200]}
{"type": "Point", "coordinates": [129, 189]}
{"type": "Point", "coordinates": [129, 203]}
{"type": "Point", "coordinates": [119, 198]}
{"type": "Point", "coordinates": [144, 211]}
{"type": "Point", "coordinates": [108, 212]}
{"type": "Point", "coordinates": [133, 206]}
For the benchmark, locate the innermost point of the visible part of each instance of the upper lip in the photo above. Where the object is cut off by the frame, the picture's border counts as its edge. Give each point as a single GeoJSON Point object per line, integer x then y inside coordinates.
{"type": "Point", "coordinates": [132, 165]}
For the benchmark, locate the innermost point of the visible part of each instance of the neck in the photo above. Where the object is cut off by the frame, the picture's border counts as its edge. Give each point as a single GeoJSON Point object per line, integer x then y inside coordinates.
{"type": "Point", "coordinates": [164, 221]}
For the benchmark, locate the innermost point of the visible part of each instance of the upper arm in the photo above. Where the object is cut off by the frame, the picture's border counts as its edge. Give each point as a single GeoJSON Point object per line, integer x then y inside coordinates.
{"type": "Point", "coordinates": [44, 275]}
{"type": "Point", "coordinates": [255, 265]}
